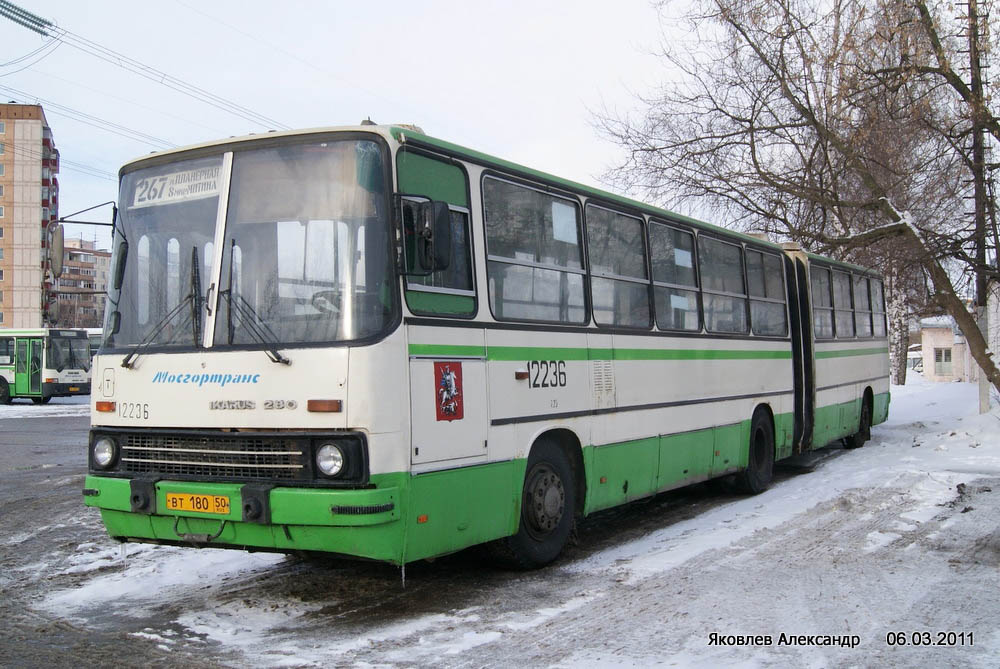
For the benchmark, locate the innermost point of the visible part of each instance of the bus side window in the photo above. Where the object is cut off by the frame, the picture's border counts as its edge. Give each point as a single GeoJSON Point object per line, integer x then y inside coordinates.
{"type": "Point", "coordinates": [458, 275]}
{"type": "Point", "coordinates": [534, 252]}
{"type": "Point", "coordinates": [843, 310]}
{"type": "Point", "coordinates": [862, 307]}
{"type": "Point", "coordinates": [448, 292]}
{"type": "Point", "coordinates": [619, 281]}
{"type": "Point", "coordinates": [822, 303]}
{"type": "Point", "coordinates": [6, 350]}
{"type": "Point", "coordinates": [767, 294]}
{"type": "Point", "coordinates": [723, 291]}
{"type": "Point", "coordinates": [675, 289]}
{"type": "Point", "coordinates": [878, 309]}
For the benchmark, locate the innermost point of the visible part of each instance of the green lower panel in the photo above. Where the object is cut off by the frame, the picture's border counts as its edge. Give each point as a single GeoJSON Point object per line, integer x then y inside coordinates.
{"type": "Point", "coordinates": [836, 421]}
{"type": "Point", "coordinates": [784, 435]}
{"type": "Point", "coordinates": [685, 458]}
{"type": "Point", "coordinates": [731, 448]}
{"type": "Point", "coordinates": [301, 518]}
{"type": "Point", "coordinates": [841, 420]}
{"type": "Point", "coordinates": [880, 408]}
{"type": "Point", "coordinates": [378, 542]}
{"type": "Point", "coordinates": [457, 508]}
{"type": "Point", "coordinates": [670, 461]}
{"type": "Point", "coordinates": [622, 472]}
{"type": "Point", "coordinates": [403, 518]}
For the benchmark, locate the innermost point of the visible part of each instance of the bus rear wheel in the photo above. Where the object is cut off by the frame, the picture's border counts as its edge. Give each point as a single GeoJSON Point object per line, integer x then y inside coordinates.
{"type": "Point", "coordinates": [41, 400]}
{"type": "Point", "coordinates": [548, 503]}
{"type": "Point", "coordinates": [4, 392]}
{"type": "Point", "coordinates": [756, 478]}
{"type": "Point", "coordinates": [864, 433]}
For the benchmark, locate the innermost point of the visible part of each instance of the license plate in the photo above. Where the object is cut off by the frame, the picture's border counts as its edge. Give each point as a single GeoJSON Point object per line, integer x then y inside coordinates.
{"type": "Point", "coordinates": [74, 389]}
{"type": "Point", "coordinates": [198, 503]}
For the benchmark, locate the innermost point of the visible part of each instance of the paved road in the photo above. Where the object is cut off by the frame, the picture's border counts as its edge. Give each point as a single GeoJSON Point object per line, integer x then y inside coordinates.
{"type": "Point", "coordinates": [42, 523]}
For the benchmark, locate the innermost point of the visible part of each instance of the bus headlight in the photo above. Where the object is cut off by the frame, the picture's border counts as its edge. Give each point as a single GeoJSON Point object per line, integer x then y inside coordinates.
{"type": "Point", "coordinates": [104, 452]}
{"type": "Point", "coordinates": [329, 459]}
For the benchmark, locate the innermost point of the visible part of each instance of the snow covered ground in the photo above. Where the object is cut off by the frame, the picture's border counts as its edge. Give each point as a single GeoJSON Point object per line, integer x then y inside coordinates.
{"type": "Point", "coordinates": [57, 406]}
{"type": "Point", "coordinates": [900, 536]}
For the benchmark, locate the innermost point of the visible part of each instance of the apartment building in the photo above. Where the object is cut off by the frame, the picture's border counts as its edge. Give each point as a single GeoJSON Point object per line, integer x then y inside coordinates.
{"type": "Point", "coordinates": [29, 201]}
{"type": "Point", "coordinates": [81, 290]}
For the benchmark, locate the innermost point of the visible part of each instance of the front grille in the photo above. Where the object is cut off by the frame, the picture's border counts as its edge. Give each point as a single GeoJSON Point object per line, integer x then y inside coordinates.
{"type": "Point", "coordinates": [265, 458]}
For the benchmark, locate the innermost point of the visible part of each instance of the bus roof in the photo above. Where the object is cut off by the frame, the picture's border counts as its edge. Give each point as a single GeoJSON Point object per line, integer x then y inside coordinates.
{"type": "Point", "coordinates": [409, 135]}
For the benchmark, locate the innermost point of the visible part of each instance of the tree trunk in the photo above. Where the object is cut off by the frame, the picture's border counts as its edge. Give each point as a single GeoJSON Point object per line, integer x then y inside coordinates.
{"type": "Point", "coordinates": [944, 293]}
{"type": "Point", "coordinates": [899, 331]}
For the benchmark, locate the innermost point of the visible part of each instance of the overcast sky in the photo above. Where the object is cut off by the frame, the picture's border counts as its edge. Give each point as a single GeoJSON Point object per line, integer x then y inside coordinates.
{"type": "Point", "coordinates": [518, 79]}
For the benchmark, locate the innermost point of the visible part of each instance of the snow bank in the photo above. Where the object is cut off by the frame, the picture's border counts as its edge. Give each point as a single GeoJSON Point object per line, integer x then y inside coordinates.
{"type": "Point", "coordinates": [57, 406]}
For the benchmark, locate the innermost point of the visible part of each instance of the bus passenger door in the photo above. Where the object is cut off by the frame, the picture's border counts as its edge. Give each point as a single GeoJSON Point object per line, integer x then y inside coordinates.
{"type": "Point", "coordinates": [448, 403]}
{"type": "Point", "coordinates": [35, 366]}
{"type": "Point", "coordinates": [21, 376]}
{"type": "Point", "coordinates": [802, 354]}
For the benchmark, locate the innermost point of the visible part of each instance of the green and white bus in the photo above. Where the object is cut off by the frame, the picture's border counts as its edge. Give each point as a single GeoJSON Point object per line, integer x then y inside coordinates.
{"type": "Point", "coordinates": [370, 342]}
{"type": "Point", "coordinates": [42, 363]}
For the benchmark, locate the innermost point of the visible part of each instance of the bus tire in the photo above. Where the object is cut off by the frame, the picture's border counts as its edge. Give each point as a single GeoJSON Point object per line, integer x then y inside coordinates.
{"type": "Point", "coordinates": [756, 478]}
{"type": "Point", "coordinates": [41, 400]}
{"type": "Point", "coordinates": [4, 392]}
{"type": "Point", "coordinates": [864, 433]}
{"type": "Point", "coordinates": [548, 503]}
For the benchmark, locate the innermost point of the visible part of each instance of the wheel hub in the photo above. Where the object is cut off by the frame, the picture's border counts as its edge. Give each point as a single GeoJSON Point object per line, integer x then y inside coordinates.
{"type": "Point", "coordinates": [545, 500]}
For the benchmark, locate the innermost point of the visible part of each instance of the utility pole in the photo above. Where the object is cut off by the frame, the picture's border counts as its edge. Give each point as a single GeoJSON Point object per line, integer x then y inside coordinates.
{"type": "Point", "coordinates": [979, 182]}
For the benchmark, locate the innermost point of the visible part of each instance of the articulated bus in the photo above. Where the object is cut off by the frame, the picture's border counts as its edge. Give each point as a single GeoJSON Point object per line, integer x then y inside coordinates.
{"type": "Point", "coordinates": [369, 342]}
{"type": "Point", "coordinates": [43, 363]}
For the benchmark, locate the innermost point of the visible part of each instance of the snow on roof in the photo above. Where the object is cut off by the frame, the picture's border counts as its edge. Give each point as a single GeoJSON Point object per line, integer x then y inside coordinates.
{"type": "Point", "coordinates": [937, 322]}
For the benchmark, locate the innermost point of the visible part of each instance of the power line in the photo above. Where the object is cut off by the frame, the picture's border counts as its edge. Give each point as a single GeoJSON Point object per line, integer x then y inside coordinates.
{"type": "Point", "coordinates": [30, 53]}
{"type": "Point", "coordinates": [46, 28]}
{"type": "Point", "coordinates": [112, 96]}
{"type": "Point", "coordinates": [89, 170]}
{"type": "Point", "coordinates": [92, 120]}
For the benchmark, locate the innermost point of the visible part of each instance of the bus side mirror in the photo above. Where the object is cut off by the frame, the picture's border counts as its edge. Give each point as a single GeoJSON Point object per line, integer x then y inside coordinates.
{"type": "Point", "coordinates": [434, 236]}
{"type": "Point", "coordinates": [56, 250]}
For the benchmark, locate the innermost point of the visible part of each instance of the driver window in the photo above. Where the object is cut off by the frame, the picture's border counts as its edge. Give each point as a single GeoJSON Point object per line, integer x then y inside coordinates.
{"type": "Point", "coordinates": [449, 292]}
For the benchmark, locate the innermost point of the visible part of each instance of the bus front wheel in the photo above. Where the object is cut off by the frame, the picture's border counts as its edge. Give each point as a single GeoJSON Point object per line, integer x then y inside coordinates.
{"type": "Point", "coordinates": [760, 460]}
{"type": "Point", "coordinates": [4, 392]}
{"type": "Point", "coordinates": [548, 503]}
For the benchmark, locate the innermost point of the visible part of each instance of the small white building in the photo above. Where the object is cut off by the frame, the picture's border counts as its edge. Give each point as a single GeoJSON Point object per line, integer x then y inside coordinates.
{"type": "Point", "coordinates": [945, 352]}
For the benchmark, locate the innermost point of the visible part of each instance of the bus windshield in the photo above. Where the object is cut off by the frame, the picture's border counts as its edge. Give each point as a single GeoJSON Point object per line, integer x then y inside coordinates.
{"type": "Point", "coordinates": [68, 353]}
{"type": "Point", "coordinates": [306, 251]}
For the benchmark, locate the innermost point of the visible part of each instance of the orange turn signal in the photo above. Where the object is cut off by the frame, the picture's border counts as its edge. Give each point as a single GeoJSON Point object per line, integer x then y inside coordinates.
{"type": "Point", "coordinates": [51, 380]}
{"type": "Point", "coordinates": [422, 518]}
{"type": "Point", "coordinates": [106, 407]}
{"type": "Point", "coordinates": [328, 406]}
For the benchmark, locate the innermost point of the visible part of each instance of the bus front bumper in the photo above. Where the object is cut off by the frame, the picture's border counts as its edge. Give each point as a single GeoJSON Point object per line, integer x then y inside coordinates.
{"type": "Point", "coordinates": [65, 389]}
{"type": "Point", "coordinates": [360, 523]}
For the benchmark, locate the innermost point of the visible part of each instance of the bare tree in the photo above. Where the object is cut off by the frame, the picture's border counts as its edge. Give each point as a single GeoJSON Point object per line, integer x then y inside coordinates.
{"type": "Point", "coordinates": [841, 124]}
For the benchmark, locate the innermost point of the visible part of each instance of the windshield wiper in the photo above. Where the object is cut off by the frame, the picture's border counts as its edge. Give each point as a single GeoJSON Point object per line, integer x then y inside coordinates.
{"type": "Point", "coordinates": [193, 298]}
{"type": "Point", "coordinates": [250, 319]}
